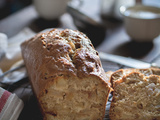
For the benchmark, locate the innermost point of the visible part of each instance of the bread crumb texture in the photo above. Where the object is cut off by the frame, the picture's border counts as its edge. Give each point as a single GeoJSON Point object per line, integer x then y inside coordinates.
{"type": "Point", "coordinates": [70, 98]}
{"type": "Point", "coordinates": [66, 75]}
{"type": "Point", "coordinates": [136, 95]}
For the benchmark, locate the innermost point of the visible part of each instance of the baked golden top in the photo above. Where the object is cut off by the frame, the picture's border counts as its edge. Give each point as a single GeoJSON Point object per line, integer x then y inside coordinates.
{"type": "Point", "coordinates": [61, 52]}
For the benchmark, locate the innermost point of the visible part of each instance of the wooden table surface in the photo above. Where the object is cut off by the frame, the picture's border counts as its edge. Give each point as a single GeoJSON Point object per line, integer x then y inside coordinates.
{"type": "Point", "coordinates": [114, 41]}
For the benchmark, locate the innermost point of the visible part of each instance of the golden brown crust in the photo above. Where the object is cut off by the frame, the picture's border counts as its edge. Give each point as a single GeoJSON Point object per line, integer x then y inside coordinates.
{"type": "Point", "coordinates": [64, 52]}
{"type": "Point", "coordinates": [57, 56]}
{"type": "Point", "coordinates": [123, 72]}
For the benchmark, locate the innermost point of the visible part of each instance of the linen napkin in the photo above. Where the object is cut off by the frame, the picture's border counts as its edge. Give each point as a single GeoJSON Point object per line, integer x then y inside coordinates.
{"type": "Point", "coordinates": [10, 105]}
{"type": "Point", "coordinates": [13, 58]}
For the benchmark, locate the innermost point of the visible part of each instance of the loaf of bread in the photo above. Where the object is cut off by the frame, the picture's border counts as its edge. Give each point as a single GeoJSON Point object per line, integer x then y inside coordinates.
{"type": "Point", "coordinates": [136, 94]}
{"type": "Point", "coordinates": [66, 75]}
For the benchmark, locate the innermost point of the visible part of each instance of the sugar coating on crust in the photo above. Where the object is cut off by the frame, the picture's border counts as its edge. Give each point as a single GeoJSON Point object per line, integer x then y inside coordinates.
{"type": "Point", "coordinates": [136, 97]}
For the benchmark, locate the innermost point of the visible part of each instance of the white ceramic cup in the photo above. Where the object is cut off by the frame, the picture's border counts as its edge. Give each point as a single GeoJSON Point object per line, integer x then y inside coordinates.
{"type": "Point", "coordinates": [142, 22]}
{"type": "Point", "coordinates": [50, 9]}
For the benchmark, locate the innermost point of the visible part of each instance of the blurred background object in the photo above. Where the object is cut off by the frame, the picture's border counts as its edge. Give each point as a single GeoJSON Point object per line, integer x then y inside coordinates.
{"type": "Point", "coordinates": [50, 9]}
{"type": "Point", "coordinates": [49, 13]}
{"type": "Point", "coordinates": [142, 23]}
{"type": "Point", "coordinates": [3, 44]}
{"type": "Point", "coordinates": [87, 19]}
{"type": "Point", "coordinates": [110, 8]}
{"type": "Point", "coordinates": [8, 7]}
{"type": "Point", "coordinates": [155, 3]}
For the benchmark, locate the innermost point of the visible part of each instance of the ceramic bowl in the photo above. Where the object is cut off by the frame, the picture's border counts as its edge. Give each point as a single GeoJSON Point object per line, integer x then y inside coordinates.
{"type": "Point", "coordinates": [50, 9]}
{"type": "Point", "coordinates": [142, 23]}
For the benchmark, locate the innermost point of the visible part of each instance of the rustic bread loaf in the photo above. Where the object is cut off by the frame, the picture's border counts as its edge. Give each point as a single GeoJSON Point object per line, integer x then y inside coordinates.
{"type": "Point", "coordinates": [66, 75]}
{"type": "Point", "coordinates": [136, 95]}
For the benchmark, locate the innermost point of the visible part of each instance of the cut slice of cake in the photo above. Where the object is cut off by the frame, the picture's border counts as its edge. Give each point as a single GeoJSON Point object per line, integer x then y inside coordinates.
{"type": "Point", "coordinates": [136, 97]}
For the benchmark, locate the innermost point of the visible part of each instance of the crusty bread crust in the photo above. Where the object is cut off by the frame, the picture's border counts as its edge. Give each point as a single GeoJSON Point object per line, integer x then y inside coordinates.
{"type": "Point", "coordinates": [123, 72]}
{"type": "Point", "coordinates": [52, 60]}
